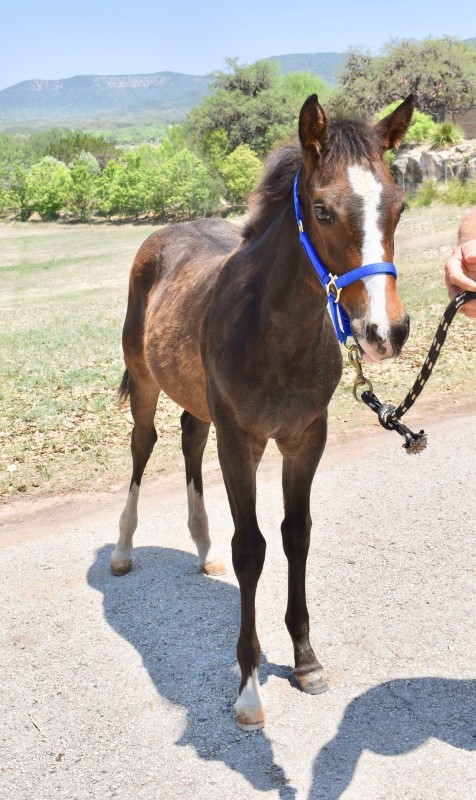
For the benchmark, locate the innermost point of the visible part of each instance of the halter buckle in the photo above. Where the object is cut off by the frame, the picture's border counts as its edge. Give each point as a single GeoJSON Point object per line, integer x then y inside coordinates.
{"type": "Point", "coordinates": [331, 288]}
{"type": "Point", "coordinates": [361, 383]}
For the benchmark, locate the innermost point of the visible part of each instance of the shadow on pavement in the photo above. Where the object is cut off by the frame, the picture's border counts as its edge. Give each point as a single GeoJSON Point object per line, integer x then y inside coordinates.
{"type": "Point", "coordinates": [185, 628]}
{"type": "Point", "coordinates": [392, 719]}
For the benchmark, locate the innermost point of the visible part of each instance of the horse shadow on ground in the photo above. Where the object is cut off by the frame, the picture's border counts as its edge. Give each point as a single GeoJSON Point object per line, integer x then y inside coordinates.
{"type": "Point", "coordinates": [392, 719]}
{"type": "Point", "coordinates": [185, 626]}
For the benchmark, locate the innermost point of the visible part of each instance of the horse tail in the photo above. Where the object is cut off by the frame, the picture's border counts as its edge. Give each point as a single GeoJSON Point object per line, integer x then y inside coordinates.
{"type": "Point", "coordinates": [124, 389]}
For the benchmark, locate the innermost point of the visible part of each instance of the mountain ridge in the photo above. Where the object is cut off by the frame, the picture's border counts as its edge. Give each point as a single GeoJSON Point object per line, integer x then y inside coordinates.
{"type": "Point", "coordinates": [167, 95]}
{"type": "Point", "coordinates": [161, 97]}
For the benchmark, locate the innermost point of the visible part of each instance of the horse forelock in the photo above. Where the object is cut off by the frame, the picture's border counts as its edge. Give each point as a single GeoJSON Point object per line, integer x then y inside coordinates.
{"type": "Point", "coordinates": [348, 141]}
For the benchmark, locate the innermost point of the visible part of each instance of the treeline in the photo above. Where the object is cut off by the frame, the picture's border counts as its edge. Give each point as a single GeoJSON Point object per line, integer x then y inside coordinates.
{"type": "Point", "coordinates": [210, 163]}
{"type": "Point", "coordinates": [171, 180]}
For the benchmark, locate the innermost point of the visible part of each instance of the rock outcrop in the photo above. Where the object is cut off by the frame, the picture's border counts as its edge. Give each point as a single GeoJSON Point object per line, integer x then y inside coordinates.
{"type": "Point", "coordinates": [411, 167]}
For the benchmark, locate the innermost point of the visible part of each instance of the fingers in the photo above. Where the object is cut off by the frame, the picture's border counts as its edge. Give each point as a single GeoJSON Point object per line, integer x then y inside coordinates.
{"type": "Point", "coordinates": [460, 274]}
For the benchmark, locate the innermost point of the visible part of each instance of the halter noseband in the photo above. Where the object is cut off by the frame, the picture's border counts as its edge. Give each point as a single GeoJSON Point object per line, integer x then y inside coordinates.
{"type": "Point", "coordinates": [333, 284]}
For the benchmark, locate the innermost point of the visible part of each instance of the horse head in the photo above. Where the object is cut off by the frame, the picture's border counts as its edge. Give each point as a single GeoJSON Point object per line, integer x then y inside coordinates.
{"type": "Point", "coordinates": [351, 206]}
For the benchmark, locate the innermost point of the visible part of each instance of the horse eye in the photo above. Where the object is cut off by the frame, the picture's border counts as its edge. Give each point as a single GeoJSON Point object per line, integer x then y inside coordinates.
{"type": "Point", "coordinates": [322, 214]}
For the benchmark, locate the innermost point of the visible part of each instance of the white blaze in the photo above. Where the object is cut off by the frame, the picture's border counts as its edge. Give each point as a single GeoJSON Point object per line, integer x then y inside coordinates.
{"type": "Point", "coordinates": [368, 188]}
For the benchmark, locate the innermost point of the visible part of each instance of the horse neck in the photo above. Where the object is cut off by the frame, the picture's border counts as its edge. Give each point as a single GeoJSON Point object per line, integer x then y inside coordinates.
{"type": "Point", "coordinates": [291, 290]}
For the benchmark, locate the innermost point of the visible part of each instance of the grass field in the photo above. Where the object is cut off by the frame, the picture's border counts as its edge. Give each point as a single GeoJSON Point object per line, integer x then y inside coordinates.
{"type": "Point", "coordinates": [63, 292]}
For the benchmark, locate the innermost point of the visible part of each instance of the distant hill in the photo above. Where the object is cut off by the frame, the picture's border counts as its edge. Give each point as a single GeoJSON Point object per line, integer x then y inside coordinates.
{"type": "Point", "coordinates": [160, 98]}
{"type": "Point", "coordinates": [169, 95]}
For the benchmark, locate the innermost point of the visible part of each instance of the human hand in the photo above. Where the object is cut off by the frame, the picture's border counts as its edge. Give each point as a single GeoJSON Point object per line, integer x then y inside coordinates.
{"type": "Point", "coordinates": [460, 274]}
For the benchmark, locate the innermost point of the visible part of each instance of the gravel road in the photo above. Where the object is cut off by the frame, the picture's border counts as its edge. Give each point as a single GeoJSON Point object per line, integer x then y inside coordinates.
{"type": "Point", "coordinates": [124, 687]}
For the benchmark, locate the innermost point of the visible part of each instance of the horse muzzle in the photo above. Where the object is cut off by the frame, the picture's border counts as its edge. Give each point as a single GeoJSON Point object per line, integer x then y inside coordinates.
{"type": "Point", "coordinates": [376, 343]}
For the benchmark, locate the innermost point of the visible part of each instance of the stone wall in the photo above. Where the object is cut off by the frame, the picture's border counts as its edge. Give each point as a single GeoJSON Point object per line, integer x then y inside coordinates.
{"type": "Point", "coordinates": [467, 122]}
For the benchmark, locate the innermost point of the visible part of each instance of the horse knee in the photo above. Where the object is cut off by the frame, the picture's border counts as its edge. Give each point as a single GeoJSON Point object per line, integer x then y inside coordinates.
{"type": "Point", "coordinates": [248, 553]}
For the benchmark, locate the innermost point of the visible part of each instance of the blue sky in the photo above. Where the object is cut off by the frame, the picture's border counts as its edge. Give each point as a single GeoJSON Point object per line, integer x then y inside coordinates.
{"type": "Point", "coordinates": [52, 40]}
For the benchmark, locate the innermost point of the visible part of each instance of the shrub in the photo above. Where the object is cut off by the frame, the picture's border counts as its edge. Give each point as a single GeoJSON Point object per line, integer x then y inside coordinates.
{"type": "Point", "coordinates": [461, 194]}
{"type": "Point", "coordinates": [425, 194]}
{"type": "Point", "coordinates": [49, 187]}
{"type": "Point", "coordinates": [446, 134]}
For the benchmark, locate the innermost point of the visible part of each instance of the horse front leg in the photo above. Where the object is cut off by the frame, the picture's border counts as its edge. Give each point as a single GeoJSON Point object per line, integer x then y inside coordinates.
{"type": "Point", "coordinates": [239, 455]}
{"type": "Point", "coordinates": [299, 466]}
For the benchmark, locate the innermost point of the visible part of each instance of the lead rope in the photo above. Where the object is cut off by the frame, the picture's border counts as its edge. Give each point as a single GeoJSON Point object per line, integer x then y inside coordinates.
{"type": "Point", "coordinates": [388, 415]}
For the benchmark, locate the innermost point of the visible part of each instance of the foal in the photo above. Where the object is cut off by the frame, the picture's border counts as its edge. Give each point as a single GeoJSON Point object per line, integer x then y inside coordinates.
{"type": "Point", "coordinates": [234, 327]}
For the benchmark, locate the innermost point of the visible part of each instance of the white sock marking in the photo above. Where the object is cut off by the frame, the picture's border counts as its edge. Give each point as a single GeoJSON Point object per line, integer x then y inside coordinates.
{"type": "Point", "coordinates": [128, 520]}
{"type": "Point", "coordinates": [198, 525]}
{"type": "Point", "coordinates": [249, 704]}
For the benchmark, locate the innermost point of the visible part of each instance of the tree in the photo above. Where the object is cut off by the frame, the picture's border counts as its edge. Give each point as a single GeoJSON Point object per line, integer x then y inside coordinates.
{"type": "Point", "coordinates": [82, 200]}
{"type": "Point", "coordinates": [49, 186]}
{"type": "Point", "coordinates": [247, 104]}
{"type": "Point", "coordinates": [122, 187]}
{"type": "Point", "coordinates": [240, 170]}
{"type": "Point", "coordinates": [441, 73]}
{"type": "Point", "coordinates": [66, 145]}
{"type": "Point", "coordinates": [189, 190]}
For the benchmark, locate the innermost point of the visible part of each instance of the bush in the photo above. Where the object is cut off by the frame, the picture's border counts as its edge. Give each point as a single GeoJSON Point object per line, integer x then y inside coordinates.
{"type": "Point", "coordinates": [425, 194]}
{"type": "Point", "coordinates": [446, 134]}
{"type": "Point", "coordinates": [240, 171]}
{"type": "Point", "coordinates": [461, 194]}
{"type": "Point", "coordinates": [49, 187]}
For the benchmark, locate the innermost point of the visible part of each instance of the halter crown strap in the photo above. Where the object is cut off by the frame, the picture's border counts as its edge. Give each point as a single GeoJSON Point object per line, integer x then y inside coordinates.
{"type": "Point", "coordinates": [333, 284]}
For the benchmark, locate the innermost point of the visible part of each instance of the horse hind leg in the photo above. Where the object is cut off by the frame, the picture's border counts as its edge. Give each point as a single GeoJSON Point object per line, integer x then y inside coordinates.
{"type": "Point", "coordinates": [194, 439]}
{"type": "Point", "coordinates": [144, 394]}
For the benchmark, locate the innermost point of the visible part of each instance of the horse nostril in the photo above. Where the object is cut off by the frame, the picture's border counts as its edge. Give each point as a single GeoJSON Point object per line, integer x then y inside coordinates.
{"type": "Point", "coordinates": [399, 334]}
{"type": "Point", "coordinates": [372, 335]}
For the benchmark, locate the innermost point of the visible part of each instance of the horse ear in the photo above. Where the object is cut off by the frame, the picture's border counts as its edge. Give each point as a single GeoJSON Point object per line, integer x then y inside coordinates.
{"type": "Point", "coordinates": [312, 128]}
{"type": "Point", "coordinates": [391, 130]}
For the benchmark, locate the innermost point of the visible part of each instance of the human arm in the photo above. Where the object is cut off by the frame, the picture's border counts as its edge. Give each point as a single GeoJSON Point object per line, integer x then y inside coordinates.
{"type": "Point", "coordinates": [460, 268]}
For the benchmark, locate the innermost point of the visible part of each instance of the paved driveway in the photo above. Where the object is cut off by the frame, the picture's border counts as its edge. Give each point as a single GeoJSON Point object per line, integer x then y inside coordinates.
{"type": "Point", "coordinates": [123, 687]}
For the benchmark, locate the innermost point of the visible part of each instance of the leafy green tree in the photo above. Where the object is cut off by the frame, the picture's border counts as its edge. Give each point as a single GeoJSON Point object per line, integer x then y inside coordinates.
{"type": "Point", "coordinates": [20, 191]}
{"type": "Point", "coordinates": [5, 196]}
{"type": "Point", "coordinates": [84, 171]}
{"type": "Point", "coordinates": [246, 103]}
{"type": "Point", "coordinates": [213, 148]}
{"type": "Point", "coordinates": [296, 86]}
{"type": "Point", "coordinates": [440, 72]}
{"type": "Point", "coordinates": [189, 191]}
{"type": "Point", "coordinates": [49, 186]}
{"type": "Point", "coordinates": [66, 145]}
{"type": "Point", "coordinates": [240, 171]}
{"type": "Point", "coordinates": [122, 188]}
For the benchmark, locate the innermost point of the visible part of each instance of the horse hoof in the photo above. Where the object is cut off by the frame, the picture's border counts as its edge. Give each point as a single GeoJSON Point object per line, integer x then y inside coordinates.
{"type": "Point", "coordinates": [251, 720]}
{"type": "Point", "coordinates": [214, 568]}
{"type": "Point", "coordinates": [313, 682]}
{"type": "Point", "coordinates": [121, 564]}
{"type": "Point", "coordinates": [250, 726]}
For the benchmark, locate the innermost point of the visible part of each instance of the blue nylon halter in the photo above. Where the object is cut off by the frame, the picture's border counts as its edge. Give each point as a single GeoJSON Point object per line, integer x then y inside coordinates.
{"type": "Point", "coordinates": [335, 283]}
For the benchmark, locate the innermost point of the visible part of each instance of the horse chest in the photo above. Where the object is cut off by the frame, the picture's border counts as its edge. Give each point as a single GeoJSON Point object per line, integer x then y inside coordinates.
{"type": "Point", "coordinates": [278, 394]}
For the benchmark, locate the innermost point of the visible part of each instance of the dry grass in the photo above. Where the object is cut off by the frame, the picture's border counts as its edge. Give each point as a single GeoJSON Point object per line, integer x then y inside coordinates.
{"type": "Point", "coordinates": [63, 295]}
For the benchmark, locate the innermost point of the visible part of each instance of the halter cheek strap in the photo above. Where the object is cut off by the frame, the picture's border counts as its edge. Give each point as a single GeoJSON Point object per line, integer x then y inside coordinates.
{"type": "Point", "coordinates": [333, 284]}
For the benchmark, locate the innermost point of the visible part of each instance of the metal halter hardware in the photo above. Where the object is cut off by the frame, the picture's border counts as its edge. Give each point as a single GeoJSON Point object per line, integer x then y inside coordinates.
{"type": "Point", "coordinates": [333, 284]}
